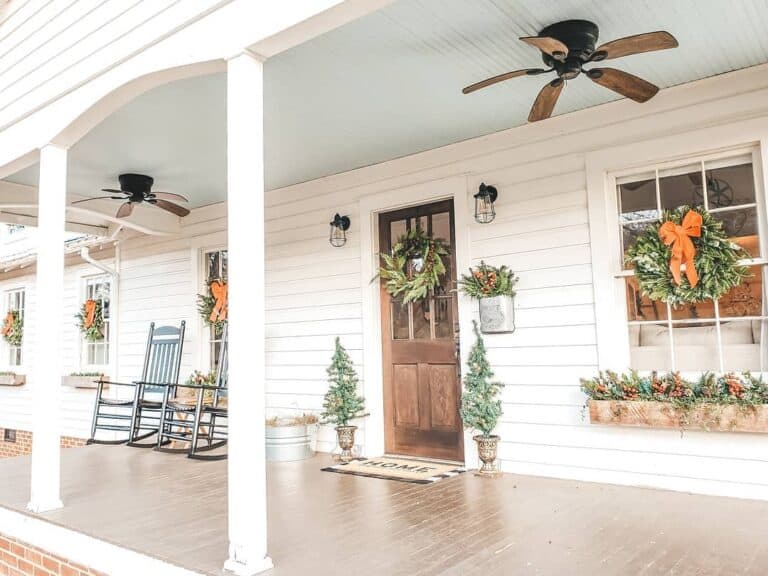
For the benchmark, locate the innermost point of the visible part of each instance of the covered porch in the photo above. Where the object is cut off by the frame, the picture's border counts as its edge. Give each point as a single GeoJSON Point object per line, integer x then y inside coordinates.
{"type": "Point", "coordinates": [174, 509]}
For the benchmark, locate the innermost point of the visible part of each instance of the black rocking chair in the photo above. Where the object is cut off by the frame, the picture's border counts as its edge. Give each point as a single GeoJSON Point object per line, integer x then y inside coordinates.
{"type": "Point", "coordinates": [201, 421]}
{"type": "Point", "coordinates": [138, 416]}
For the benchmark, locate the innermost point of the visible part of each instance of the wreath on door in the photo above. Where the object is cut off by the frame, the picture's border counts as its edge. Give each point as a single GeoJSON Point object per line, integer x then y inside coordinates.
{"type": "Point", "coordinates": [415, 267]}
{"type": "Point", "coordinates": [90, 320]}
{"type": "Point", "coordinates": [13, 328]}
{"type": "Point", "coordinates": [686, 257]}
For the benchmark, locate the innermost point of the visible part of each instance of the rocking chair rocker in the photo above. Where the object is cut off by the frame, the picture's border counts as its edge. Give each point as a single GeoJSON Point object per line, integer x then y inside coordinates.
{"type": "Point", "coordinates": [139, 415]}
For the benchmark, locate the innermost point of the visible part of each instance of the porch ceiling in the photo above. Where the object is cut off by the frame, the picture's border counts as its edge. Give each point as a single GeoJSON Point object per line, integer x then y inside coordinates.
{"type": "Point", "coordinates": [389, 85]}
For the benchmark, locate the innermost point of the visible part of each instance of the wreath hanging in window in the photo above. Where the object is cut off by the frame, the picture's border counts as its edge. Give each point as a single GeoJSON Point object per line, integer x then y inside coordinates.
{"type": "Point", "coordinates": [13, 328]}
{"type": "Point", "coordinates": [686, 257]}
{"type": "Point", "coordinates": [213, 305]}
{"type": "Point", "coordinates": [90, 320]}
{"type": "Point", "coordinates": [415, 266]}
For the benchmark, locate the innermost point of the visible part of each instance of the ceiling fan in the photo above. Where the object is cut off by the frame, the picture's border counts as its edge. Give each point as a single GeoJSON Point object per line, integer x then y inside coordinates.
{"type": "Point", "coordinates": [137, 188]}
{"type": "Point", "coordinates": [567, 46]}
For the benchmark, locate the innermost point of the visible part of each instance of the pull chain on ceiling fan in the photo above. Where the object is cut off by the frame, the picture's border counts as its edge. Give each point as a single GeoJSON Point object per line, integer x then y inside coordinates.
{"type": "Point", "coordinates": [567, 46]}
{"type": "Point", "coordinates": [137, 188]}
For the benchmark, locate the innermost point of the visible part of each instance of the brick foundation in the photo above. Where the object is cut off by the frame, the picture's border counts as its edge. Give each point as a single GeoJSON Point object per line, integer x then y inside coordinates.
{"type": "Point", "coordinates": [18, 558]}
{"type": "Point", "coordinates": [23, 445]}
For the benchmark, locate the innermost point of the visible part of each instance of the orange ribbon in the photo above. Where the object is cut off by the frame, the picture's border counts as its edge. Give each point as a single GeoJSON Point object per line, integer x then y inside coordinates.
{"type": "Point", "coordinates": [8, 326]}
{"type": "Point", "coordinates": [219, 290]}
{"type": "Point", "coordinates": [90, 313]}
{"type": "Point", "coordinates": [678, 238]}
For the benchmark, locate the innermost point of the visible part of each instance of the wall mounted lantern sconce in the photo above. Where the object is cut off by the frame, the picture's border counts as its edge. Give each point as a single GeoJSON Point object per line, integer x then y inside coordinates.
{"type": "Point", "coordinates": [484, 199]}
{"type": "Point", "coordinates": [339, 227]}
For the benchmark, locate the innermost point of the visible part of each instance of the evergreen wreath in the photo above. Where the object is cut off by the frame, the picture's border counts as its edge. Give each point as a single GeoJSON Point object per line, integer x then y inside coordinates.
{"type": "Point", "coordinates": [205, 305]}
{"type": "Point", "coordinates": [94, 332]}
{"type": "Point", "coordinates": [401, 277]}
{"type": "Point", "coordinates": [13, 330]}
{"type": "Point", "coordinates": [716, 260]}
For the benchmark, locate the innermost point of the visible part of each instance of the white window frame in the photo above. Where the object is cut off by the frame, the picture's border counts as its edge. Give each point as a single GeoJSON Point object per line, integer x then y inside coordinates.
{"type": "Point", "coordinates": [85, 366]}
{"type": "Point", "coordinates": [603, 167]}
{"type": "Point", "coordinates": [206, 357]}
{"type": "Point", "coordinates": [8, 347]}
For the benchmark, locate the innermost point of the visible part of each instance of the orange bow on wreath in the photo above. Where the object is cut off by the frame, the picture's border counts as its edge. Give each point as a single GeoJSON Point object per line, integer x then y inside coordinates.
{"type": "Point", "coordinates": [678, 238]}
{"type": "Point", "coordinates": [90, 313]}
{"type": "Point", "coordinates": [219, 291]}
{"type": "Point", "coordinates": [8, 326]}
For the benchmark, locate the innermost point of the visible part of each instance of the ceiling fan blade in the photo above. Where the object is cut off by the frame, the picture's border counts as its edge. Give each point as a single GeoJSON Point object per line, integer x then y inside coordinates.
{"type": "Point", "coordinates": [89, 199]}
{"type": "Point", "coordinates": [171, 207]}
{"type": "Point", "coordinates": [113, 191]}
{"type": "Point", "coordinates": [637, 44]}
{"type": "Point", "coordinates": [502, 77]}
{"type": "Point", "coordinates": [168, 196]}
{"type": "Point", "coordinates": [624, 83]}
{"type": "Point", "coordinates": [545, 102]}
{"type": "Point", "coordinates": [551, 46]}
{"type": "Point", "coordinates": [125, 210]}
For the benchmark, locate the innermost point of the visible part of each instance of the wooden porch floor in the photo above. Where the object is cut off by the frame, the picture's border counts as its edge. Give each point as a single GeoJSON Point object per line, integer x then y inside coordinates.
{"type": "Point", "coordinates": [320, 523]}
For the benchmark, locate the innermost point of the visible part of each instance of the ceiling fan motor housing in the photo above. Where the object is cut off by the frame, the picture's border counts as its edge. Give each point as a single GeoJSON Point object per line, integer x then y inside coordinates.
{"type": "Point", "coordinates": [580, 36]}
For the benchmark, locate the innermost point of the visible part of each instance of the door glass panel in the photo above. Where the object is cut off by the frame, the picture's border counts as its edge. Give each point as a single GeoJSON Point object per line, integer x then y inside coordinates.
{"type": "Point", "coordinates": [421, 316]}
{"type": "Point", "coordinates": [441, 226]}
{"type": "Point", "coordinates": [396, 229]}
{"type": "Point", "coordinates": [400, 329]}
{"type": "Point", "coordinates": [444, 317]}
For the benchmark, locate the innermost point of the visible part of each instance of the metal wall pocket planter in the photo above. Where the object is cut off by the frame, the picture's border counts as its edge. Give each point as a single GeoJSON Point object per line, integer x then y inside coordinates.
{"type": "Point", "coordinates": [497, 314]}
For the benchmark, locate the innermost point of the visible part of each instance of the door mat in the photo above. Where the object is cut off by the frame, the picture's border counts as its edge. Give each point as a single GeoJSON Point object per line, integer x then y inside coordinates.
{"type": "Point", "coordinates": [400, 469]}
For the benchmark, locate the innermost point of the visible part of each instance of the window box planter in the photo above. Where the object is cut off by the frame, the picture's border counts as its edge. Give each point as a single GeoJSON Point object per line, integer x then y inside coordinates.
{"type": "Point", "coordinates": [709, 417]}
{"type": "Point", "coordinates": [12, 379]}
{"type": "Point", "coordinates": [497, 314]}
{"type": "Point", "coordinates": [88, 382]}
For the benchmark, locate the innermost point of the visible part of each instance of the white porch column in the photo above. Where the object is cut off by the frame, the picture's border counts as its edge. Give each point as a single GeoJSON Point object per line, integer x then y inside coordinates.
{"type": "Point", "coordinates": [245, 213]}
{"type": "Point", "coordinates": [46, 316]}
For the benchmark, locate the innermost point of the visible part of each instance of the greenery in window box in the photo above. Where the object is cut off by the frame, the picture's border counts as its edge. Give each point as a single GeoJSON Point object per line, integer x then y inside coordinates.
{"type": "Point", "coordinates": [13, 329]}
{"type": "Point", "coordinates": [488, 281]}
{"type": "Point", "coordinates": [93, 331]}
{"type": "Point", "coordinates": [84, 374]}
{"type": "Point", "coordinates": [415, 267]}
{"type": "Point", "coordinates": [715, 261]}
{"type": "Point", "coordinates": [480, 405]}
{"type": "Point", "coordinates": [342, 403]}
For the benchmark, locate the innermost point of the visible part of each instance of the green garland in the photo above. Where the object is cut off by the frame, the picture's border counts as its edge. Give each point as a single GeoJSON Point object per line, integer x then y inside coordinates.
{"type": "Point", "coordinates": [94, 333]}
{"type": "Point", "coordinates": [716, 261]}
{"type": "Point", "coordinates": [15, 335]}
{"type": "Point", "coordinates": [400, 277]}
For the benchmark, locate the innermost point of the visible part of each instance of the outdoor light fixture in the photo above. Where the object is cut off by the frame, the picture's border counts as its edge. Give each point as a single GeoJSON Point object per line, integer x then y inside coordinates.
{"type": "Point", "coordinates": [339, 227]}
{"type": "Point", "coordinates": [484, 199]}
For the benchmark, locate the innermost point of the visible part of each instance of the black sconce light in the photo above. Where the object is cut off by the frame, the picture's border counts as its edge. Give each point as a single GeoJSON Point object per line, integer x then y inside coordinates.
{"type": "Point", "coordinates": [484, 199]}
{"type": "Point", "coordinates": [339, 227]}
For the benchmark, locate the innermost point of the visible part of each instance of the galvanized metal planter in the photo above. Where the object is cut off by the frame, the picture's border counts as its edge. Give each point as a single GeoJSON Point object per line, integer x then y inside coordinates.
{"type": "Point", "coordinates": [497, 314]}
{"type": "Point", "coordinates": [288, 443]}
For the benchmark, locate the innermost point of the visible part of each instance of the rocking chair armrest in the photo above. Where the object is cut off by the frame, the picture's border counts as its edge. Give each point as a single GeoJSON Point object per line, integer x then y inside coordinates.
{"type": "Point", "coordinates": [199, 386]}
{"type": "Point", "coordinates": [113, 383]}
{"type": "Point", "coordinates": [158, 384]}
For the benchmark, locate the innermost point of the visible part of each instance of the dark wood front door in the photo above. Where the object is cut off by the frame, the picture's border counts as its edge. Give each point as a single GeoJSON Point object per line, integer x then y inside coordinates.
{"type": "Point", "coordinates": [422, 387]}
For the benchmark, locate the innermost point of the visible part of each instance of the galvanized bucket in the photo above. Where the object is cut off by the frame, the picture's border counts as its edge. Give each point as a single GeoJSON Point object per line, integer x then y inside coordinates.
{"type": "Point", "coordinates": [497, 314]}
{"type": "Point", "coordinates": [287, 443]}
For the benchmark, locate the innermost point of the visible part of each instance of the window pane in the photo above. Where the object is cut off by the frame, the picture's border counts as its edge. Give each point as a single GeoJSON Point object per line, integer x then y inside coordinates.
{"type": "Point", "coordinates": [396, 229]}
{"type": "Point", "coordinates": [678, 187]}
{"type": "Point", "coordinates": [637, 200]}
{"type": "Point", "coordinates": [441, 226]}
{"type": "Point", "coordinates": [741, 226]}
{"type": "Point", "coordinates": [745, 299]}
{"type": "Point", "coordinates": [640, 307]}
{"type": "Point", "coordinates": [649, 347]}
{"type": "Point", "coordinates": [444, 317]}
{"type": "Point", "coordinates": [696, 347]}
{"type": "Point", "coordinates": [421, 316]}
{"type": "Point", "coordinates": [399, 312]}
{"type": "Point", "coordinates": [742, 349]}
{"type": "Point", "coordinates": [730, 185]}
{"type": "Point", "coordinates": [629, 235]}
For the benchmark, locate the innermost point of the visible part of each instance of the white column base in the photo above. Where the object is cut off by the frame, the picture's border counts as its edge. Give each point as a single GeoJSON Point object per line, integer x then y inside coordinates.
{"type": "Point", "coordinates": [38, 506]}
{"type": "Point", "coordinates": [248, 568]}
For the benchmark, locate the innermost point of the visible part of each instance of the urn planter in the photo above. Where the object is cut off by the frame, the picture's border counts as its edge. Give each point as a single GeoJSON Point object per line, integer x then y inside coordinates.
{"type": "Point", "coordinates": [12, 379]}
{"type": "Point", "coordinates": [346, 438]}
{"type": "Point", "coordinates": [87, 382]}
{"type": "Point", "coordinates": [487, 450]}
{"type": "Point", "coordinates": [497, 314]}
{"type": "Point", "coordinates": [287, 443]}
{"type": "Point", "coordinates": [709, 417]}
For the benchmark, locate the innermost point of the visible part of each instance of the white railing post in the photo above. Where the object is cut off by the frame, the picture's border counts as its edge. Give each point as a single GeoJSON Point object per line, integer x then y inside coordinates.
{"type": "Point", "coordinates": [245, 213]}
{"type": "Point", "coordinates": [45, 313]}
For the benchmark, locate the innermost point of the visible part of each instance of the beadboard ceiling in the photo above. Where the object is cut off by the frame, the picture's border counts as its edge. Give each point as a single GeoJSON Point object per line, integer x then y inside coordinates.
{"type": "Point", "coordinates": [389, 84]}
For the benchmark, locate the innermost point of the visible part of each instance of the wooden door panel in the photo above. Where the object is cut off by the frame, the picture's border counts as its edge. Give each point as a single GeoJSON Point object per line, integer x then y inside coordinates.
{"type": "Point", "coordinates": [442, 396]}
{"type": "Point", "coordinates": [422, 386]}
{"type": "Point", "coordinates": [405, 388]}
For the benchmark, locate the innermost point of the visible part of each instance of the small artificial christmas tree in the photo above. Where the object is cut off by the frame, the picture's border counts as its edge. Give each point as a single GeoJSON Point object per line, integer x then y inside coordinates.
{"type": "Point", "coordinates": [342, 403]}
{"type": "Point", "coordinates": [480, 407]}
